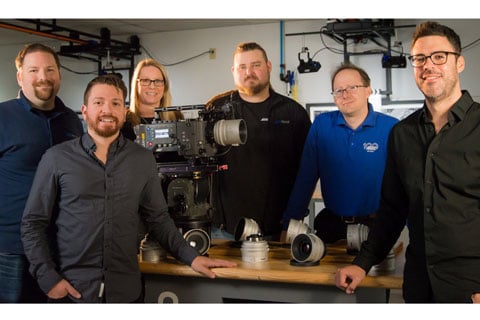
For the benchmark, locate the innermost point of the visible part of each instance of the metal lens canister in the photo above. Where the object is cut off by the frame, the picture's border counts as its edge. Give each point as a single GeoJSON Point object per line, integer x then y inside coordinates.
{"type": "Point", "coordinates": [356, 234]}
{"type": "Point", "coordinates": [387, 265]}
{"type": "Point", "coordinates": [254, 249]}
{"type": "Point", "coordinates": [246, 227]}
{"type": "Point", "coordinates": [151, 251]}
{"type": "Point", "coordinates": [307, 249]}
{"type": "Point", "coordinates": [296, 227]}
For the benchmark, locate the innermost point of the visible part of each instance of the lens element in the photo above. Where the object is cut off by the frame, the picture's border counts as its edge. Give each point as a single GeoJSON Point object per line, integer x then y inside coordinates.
{"type": "Point", "coordinates": [307, 248]}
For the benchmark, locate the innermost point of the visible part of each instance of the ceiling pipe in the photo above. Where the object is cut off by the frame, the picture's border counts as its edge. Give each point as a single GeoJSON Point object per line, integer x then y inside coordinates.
{"type": "Point", "coordinates": [40, 33]}
{"type": "Point", "coordinates": [283, 75]}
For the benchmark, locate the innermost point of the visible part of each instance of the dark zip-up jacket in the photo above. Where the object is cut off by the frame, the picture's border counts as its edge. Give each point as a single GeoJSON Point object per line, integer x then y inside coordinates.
{"type": "Point", "coordinates": [25, 134]}
{"type": "Point", "coordinates": [261, 173]}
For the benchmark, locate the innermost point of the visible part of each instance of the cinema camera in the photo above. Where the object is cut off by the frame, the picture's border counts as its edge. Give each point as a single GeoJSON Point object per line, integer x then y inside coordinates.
{"type": "Point", "coordinates": [193, 138]}
{"type": "Point", "coordinates": [187, 151]}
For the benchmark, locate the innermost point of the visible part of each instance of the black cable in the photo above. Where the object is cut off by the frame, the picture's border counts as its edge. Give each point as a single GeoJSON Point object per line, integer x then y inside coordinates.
{"type": "Point", "coordinates": [78, 72]}
{"type": "Point", "coordinates": [471, 44]}
{"type": "Point", "coordinates": [386, 47]}
{"type": "Point", "coordinates": [179, 62]}
{"type": "Point", "coordinates": [333, 50]}
{"type": "Point", "coordinates": [188, 59]}
{"type": "Point", "coordinates": [317, 52]}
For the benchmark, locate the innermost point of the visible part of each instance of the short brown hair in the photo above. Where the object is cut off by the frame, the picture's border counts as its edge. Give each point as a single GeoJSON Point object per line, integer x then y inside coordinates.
{"type": "Point", "coordinates": [250, 46]}
{"type": "Point", "coordinates": [35, 47]}
{"type": "Point", "coordinates": [432, 28]}
{"type": "Point", "coordinates": [109, 79]}
{"type": "Point", "coordinates": [351, 66]}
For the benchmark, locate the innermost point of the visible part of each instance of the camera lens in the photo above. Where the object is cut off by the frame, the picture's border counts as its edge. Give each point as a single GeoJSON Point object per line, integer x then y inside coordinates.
{"type": "Point", "coordinates": [246, 227]}
{"type": "Point", "coordinates": [151, 251]}
{"type": "Point", "coordinates": [254, 249]}
{"type": "Point", "coordinates": [307, 248]}
{"type": "Point", "coordinates": [296, 227]}
{"type": "Point", "coordinates": [356, 234]}
{"type": "Point", "coordinates": [198, 239]}
{"type": "Point", "coordinates": [230, 132]}
{"type": "Point", "coordinates": [388, 264]}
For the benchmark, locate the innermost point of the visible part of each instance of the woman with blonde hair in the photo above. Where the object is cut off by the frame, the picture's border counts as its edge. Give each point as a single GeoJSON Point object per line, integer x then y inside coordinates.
{"type": "Point", "coordinates": [150, 89]}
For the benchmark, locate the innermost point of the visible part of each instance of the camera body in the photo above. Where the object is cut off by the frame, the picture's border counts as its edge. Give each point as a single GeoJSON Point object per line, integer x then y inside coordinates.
{"type": "Point", "coordinates": [200, 137]}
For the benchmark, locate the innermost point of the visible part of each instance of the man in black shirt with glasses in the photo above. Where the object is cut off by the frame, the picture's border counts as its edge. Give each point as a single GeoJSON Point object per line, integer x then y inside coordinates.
{"type": "Point", "coordinates": [431, 183]}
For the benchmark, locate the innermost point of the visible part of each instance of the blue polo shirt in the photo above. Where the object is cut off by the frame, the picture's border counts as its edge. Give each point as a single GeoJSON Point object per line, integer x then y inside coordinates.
{"type": "Point", "coordinates": [25, 134]}
{"type": "Point", "coordinates": [349, 164]}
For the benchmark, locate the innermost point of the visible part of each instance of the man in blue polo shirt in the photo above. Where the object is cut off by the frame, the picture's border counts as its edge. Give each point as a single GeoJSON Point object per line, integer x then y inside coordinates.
{"type": "Point", "coordinates": [29, 125]}
{"type": "Point", "coordinates": [346, 150]}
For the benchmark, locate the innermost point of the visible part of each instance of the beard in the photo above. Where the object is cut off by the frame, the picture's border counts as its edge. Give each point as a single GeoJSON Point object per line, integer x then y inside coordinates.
{"type": "Point", "coordinates": [255, 88]}
{"type": "Point", "coordinates": [438, 90]}
{"type": "Point", "coordinates": [43, 93]}
{"type": "Point", "coordinates": [105, 131]}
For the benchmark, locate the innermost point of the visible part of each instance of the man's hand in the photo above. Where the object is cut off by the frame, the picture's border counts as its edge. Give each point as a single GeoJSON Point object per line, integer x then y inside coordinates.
{"type": "Point", "coordinates": [203, 264]}
{"type": "Point", "coordinates": [283, 236]}
{"type": "Point", "coordinates": [62, 289]}
{"type": "Point", "coordinates": [348, 278]}
{"type": "Point", "coordinates": [476, 297]}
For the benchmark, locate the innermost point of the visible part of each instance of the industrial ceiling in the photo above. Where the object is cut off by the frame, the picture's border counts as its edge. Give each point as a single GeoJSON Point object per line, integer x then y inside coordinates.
{"type": "Point", "coordinates": [120, 29]}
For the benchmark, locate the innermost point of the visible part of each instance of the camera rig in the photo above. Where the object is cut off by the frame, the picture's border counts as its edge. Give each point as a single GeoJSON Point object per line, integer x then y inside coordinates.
{"type": "Point", "coordinates": [193, 137]}
{"type": "Point", "coordinates": [187, 151]}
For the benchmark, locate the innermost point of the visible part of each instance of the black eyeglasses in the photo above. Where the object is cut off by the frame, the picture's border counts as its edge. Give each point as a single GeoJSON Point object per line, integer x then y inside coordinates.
{"type": "Point", "coordinates": [147, 82]}
{"type": "Point", "coordinates": [437, 58]}
{"type": "Point", "coordinates": [350, 89]}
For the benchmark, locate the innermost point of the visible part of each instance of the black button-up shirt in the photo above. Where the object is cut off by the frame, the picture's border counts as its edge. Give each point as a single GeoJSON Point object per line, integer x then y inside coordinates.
{"type": "Point", "coordinates": [95, 211]}
{"type": "Point", "coordinates": [432, 184]}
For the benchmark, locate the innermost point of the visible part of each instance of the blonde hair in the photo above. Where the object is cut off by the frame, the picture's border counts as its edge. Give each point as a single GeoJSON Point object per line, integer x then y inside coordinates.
{"type": "Point", "coordinates": [134, 115]}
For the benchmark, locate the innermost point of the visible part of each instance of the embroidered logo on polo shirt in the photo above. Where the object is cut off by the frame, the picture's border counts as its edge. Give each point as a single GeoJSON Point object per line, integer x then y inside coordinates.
{"type": "Point", "coordinates": [370, 146]}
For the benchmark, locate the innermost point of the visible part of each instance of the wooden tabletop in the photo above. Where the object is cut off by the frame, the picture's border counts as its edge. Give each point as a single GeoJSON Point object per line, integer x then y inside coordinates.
{"type": "Point", "coordinates": [278, 267]}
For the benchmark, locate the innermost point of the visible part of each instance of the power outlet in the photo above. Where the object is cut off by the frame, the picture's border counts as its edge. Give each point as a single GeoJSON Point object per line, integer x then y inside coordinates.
{"type": "Point", "coordinates": [213, 53]}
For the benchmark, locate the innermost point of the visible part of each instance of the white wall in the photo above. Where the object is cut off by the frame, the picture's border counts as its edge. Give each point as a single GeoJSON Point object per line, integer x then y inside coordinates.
{"type": "Point", "coordinates": [195, 81]}
{"type": "Point", "coordinates": [315, 87]}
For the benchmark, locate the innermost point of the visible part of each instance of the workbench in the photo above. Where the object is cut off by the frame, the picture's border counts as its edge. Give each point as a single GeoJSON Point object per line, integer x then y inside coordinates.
{"type": "Point", "coordinates": [273, 281]}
